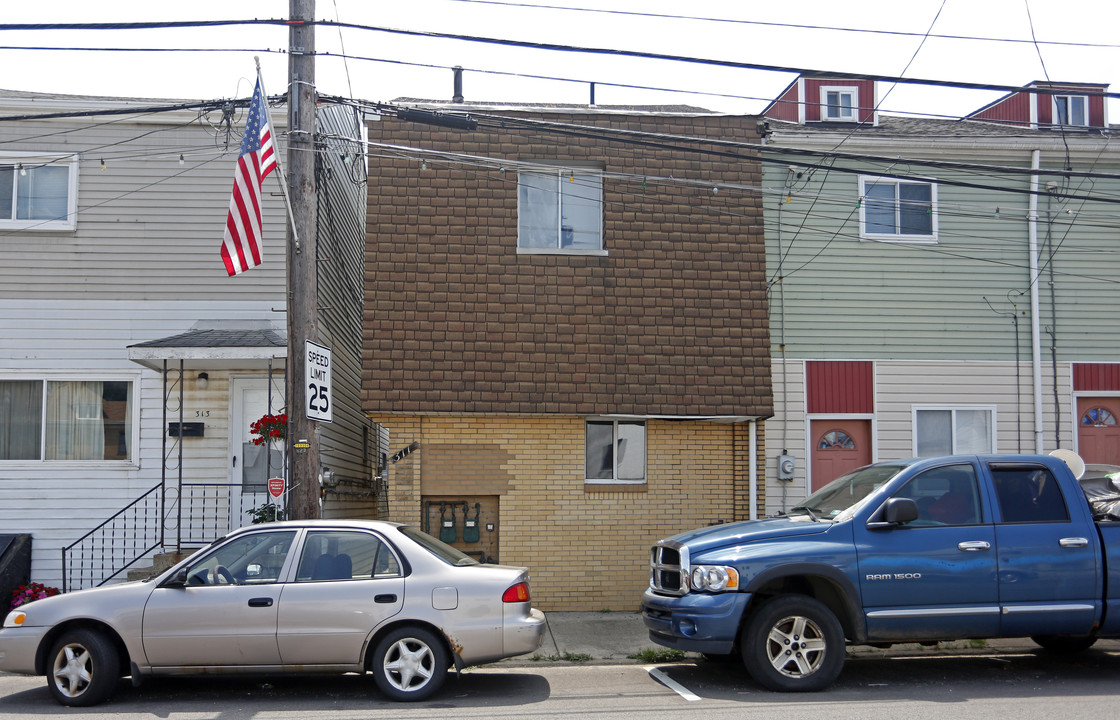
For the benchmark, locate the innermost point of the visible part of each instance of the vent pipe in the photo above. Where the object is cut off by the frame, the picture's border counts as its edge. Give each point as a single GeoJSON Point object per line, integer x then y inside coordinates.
{"type": "Point", "coordinates": [458, 96]}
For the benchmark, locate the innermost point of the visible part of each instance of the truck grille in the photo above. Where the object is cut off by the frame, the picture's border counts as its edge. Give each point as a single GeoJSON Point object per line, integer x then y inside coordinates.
{"type": "Point", "coordinates": [668, 568]}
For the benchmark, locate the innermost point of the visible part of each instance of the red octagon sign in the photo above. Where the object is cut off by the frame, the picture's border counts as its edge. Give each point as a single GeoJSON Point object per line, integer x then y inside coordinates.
{"type": "Point", "coordinates": [276, 487]}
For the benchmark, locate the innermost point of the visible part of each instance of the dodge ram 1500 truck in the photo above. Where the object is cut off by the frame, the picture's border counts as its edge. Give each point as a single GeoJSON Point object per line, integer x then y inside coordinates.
{"type": "Point", "coordinates": [919, 550]}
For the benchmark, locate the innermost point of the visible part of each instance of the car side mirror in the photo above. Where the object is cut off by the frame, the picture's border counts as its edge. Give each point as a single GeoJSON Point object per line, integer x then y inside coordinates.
{"type": "Point", "coordinates": [898, 511]}
{"type": "Point", "coordinates": [179, 579]}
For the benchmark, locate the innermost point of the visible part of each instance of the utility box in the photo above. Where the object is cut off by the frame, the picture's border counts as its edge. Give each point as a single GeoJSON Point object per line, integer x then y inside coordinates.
{"type": "Point", "coordinates": [786, 467]}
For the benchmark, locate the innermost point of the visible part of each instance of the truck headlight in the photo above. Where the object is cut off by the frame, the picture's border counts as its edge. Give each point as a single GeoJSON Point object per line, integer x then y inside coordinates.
{"type": "Point", "coordinates": [713, 578]}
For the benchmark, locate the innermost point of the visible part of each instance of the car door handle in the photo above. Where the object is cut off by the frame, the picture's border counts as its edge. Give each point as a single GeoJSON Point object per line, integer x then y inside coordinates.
{"type": "Point", "coordinates": [388, 598]}
{"type": "Point", "coordinates": [974, 545]}
{"type": "Point", "coordinates": [1074, 542]}
{"type": "Point", "coordinates": [260, 602]}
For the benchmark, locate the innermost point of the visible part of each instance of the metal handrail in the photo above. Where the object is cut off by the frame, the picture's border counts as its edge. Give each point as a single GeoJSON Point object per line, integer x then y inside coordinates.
{"type": "Point", "coordinates": [121, 551]}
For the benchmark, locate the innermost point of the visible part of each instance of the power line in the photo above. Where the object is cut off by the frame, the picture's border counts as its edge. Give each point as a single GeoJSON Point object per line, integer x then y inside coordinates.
{"type": "Point", "coordinates": [792, 26]}
{"type": "Point", "coordinates": [555, 47]}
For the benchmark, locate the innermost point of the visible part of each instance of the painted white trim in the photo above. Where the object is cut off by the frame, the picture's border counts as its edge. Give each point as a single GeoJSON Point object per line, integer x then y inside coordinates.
{"type": "Point", "coordinates": [801, 119]}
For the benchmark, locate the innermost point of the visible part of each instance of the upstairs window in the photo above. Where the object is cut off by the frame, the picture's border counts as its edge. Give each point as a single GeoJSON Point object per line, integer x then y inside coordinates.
{"type": "Point", "coordinates": [897, 210]}
{"type": "Point", "coordinates": [616, 451]}
{"type": "Point", "coordinates": [1071, 110]}
{"type": "Point", "coordinates": [38, 193]}
{"type": "Point", "coordinates": [839, 104]}
{"type": "Point", "coordinates": [560, 211]}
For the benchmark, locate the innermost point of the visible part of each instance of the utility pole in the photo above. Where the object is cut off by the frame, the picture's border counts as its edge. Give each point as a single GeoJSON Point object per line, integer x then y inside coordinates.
{"type": "Point", "coordinates": [303, 433]}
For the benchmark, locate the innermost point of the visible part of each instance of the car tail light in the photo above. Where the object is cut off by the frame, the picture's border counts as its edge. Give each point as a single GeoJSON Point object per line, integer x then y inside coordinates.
{"type": "Point", "coordinates": [517, 593]}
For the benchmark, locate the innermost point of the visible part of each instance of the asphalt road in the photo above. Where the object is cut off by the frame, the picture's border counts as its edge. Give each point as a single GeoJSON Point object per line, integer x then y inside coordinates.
{"type": "Point", "coordinates": [921, 684]}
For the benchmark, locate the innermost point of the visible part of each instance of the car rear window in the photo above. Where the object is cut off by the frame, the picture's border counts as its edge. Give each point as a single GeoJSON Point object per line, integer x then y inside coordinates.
{"type": "Point", "coordinates": [438, 548]}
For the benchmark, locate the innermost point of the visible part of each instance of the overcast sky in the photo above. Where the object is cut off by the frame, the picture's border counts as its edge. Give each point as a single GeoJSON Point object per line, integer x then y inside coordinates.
{"type": "Point", "coordinates": [387, 66]}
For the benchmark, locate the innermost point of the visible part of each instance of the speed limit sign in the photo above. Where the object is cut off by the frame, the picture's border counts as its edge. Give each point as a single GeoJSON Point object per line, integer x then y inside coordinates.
{"type": "Point", "coordinates": [318, 379]}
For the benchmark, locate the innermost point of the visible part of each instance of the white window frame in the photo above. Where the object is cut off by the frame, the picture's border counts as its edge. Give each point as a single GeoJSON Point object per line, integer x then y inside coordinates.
{"type": "Point", "coordinates": [28, 162]}
{"type": "Point", "coordinates": [133, 459]}
{"type": "Point", "coordinates": [853, 113]}
{"type": "Point", "coordinates": [1069, 100]}
{"type": "Point", "coordinates": [614, 479]}
{"type": "Point", "coordinates": [897, 237]}
{"type": "Point", "coordinates": [954, 440]}
{"type": "Point", "coordinates": [565, 176]}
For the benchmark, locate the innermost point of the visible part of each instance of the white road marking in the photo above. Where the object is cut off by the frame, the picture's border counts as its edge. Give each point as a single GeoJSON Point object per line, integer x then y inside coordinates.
{"type": "Point", "coordinates": [672, 684]}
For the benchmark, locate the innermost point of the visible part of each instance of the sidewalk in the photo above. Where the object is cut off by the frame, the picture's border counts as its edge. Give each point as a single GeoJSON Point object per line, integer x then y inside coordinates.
{"type": "Point", "coordinates": [612, 637]}
{"type": "Point", "coordinates": [609, 636]}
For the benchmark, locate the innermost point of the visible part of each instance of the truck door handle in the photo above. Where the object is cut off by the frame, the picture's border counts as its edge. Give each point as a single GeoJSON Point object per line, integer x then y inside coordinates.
{"type": "Point", "coordinates": [260, 602]}
{"type": "Point", "coordinates": [1074, 542]}
{"type": "Point", "coordinates": [388, 598]}
{"type": "Point", "coordinates": [974, 545]}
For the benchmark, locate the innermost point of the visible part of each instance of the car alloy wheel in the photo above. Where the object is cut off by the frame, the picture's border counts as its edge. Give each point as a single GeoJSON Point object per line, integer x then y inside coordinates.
{"type": "Point", "coordinates": [410, 663]}
{"type": "Point", "coordinates": [84, 668]}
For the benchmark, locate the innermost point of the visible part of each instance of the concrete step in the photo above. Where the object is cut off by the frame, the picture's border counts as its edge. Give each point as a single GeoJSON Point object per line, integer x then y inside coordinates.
{"type": "Point", "coordinates": [160, 562]}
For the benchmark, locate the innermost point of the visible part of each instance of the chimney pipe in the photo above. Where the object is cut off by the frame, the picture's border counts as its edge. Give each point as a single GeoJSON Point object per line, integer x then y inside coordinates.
{"type": "Point", "coordinates": [458, 96]}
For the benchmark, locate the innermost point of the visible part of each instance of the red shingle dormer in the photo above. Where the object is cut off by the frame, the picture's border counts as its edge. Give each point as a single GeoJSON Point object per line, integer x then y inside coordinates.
{"type": "Point", "coordinates": [1066, 105]}
{"type": "Point", "coordinates": [820, 98]}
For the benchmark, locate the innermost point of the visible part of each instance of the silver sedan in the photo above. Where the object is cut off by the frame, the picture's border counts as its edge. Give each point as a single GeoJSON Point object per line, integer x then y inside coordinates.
{"type": "Point", "coordinates": [309, 597]}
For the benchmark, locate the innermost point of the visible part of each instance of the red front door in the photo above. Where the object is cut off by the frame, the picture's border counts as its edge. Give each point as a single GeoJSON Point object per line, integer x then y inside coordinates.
{"type": "Point", "coordinates": [838, 446]}
{"type": "Point", "coordinates": [1098, 430]}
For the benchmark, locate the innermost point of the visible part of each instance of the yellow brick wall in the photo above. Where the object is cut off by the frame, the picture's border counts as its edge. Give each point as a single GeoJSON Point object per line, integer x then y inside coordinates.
{"type": "Point", "coordinates": [587, 548]}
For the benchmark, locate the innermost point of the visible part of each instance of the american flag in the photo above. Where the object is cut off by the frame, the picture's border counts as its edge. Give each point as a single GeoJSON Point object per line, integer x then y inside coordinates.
{"type": "Point", "coordinates": [241, 248]}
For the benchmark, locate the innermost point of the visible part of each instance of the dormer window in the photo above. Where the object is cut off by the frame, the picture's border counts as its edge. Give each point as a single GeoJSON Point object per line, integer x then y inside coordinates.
{"type": "Point", "coordinates": [838, 104]}
{"type": "Point", "coordinates": [1072, 110]}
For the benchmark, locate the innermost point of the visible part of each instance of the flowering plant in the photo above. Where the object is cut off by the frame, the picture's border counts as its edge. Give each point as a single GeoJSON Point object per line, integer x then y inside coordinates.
{"type": "Point", "coordinates": [270, 427]}
{"type": "Point", "coordinates": [27, 593]}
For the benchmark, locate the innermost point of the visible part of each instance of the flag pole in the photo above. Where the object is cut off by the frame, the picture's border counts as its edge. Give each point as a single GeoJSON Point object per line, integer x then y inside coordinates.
{"type": "Point", "coordinates": [276, 154]}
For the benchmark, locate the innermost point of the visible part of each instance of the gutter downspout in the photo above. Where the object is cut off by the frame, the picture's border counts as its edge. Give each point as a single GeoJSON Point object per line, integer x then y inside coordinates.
{"type": "Point", "coordinates": [1036, 344]}
{"type": "Point", "coordinates": [753, 469]}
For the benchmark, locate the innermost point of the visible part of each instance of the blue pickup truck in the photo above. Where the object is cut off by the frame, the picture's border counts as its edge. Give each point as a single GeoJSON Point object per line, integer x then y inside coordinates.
{"type": "Point", "coordinates": [919, 550]}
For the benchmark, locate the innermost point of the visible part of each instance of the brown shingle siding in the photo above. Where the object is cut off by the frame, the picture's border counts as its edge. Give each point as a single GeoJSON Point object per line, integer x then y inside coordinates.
{"type": "Point", "coordinates": [671, 321]}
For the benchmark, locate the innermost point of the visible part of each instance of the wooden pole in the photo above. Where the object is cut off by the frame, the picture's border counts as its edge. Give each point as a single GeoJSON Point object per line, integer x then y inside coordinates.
{"type": "Point", "coordinates": [303, 435]}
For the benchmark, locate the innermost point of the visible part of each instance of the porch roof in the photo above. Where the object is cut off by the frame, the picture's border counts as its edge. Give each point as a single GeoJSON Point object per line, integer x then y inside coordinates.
{"type": "Point", "coordinates": [215, 349]}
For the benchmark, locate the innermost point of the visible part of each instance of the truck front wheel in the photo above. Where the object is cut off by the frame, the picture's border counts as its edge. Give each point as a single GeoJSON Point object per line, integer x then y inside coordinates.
{"type": "Point", "coordinates": [793, 643]}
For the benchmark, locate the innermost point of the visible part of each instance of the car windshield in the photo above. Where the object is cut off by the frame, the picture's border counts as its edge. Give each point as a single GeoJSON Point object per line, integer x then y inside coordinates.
{"type": "Point", "coordinates": [440, 549]}
{"type": "Point", "coordinates": [845, 493]}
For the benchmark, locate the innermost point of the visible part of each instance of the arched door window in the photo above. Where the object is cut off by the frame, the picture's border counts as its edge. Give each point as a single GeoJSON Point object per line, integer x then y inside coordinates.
{"type": "Point", "coordinates": [1098, 417]}
{"type": "Point", "coordinates": [836, 440]}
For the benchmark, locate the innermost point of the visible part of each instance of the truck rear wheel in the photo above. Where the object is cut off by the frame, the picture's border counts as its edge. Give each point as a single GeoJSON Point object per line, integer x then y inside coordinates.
{"type": "Point", "coordinates": [793, 643]}
{"type": "Point", "coordinates": [1064, 644]}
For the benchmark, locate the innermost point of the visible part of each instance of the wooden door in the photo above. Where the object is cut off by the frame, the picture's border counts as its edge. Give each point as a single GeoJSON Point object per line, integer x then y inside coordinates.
{"type": "Point", "coordinates": [1098, 430]}
{"type": "Point", "coordinates": [838, 446]}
